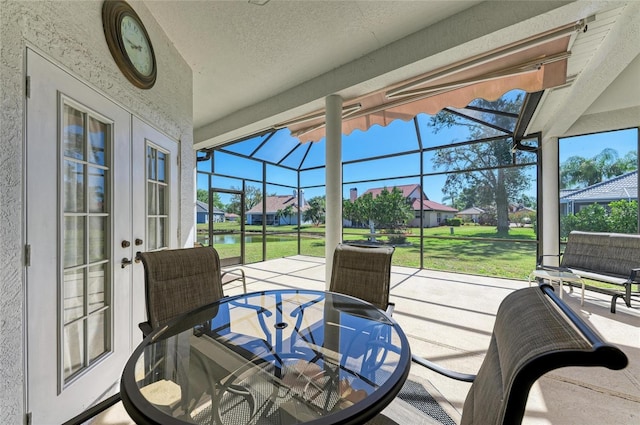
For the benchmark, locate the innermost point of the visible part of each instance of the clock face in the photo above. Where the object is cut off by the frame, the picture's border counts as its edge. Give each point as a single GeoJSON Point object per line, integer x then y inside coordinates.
{"type": "Point", "coordinates": [129, 43]}
{"type": "Point", "coordinates": [136, 45]}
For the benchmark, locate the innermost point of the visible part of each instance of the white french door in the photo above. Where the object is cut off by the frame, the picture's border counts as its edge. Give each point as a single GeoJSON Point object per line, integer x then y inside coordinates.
{"type": "Point", "coordinates": [155, 204]}
{"type": "Point", "coordinates": [85, 200]}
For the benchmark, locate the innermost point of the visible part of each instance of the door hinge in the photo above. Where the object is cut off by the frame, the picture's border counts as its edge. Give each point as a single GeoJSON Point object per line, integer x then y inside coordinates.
{"type": "Point", "coordinates": [27, 419]}
{"type": "Point", "coordinates": [28, 87]}
{"type": "Point", "coordinates": [27, 255]}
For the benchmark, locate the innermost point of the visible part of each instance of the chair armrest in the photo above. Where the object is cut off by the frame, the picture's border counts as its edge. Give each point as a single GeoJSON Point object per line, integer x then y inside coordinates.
{"type": "Point", "coordinates": [390, 307]}
{"type": "Point", "coordinates": [556, 268]}
{"type": "Point", "coordinates": [146, 328]}
{"type": "Point", "coordinates": [539, 263]}
{"type": "Point", "coordinates": [442, 370]}
{"type": "Point", "coordinates": [635, 274]}
{"type": "Point", "coordinates": [235, 274]}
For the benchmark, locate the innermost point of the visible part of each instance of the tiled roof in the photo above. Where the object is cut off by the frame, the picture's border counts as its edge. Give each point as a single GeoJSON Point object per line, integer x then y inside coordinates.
{"type": "Point", "coordinates": [409, 189]}
{"type": "Point", "coordinates": [624, 186]}
{"type": "Point", "coordinates": [406, 189]}
{"type": "Point", "coordinates": [471, 211]}
{"type": "Point", "coordinates": [432, 206]}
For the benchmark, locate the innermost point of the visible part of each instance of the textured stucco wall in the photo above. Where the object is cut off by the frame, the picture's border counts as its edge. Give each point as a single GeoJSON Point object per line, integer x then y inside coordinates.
{"type": "Point", "coordinates": [70, 34]}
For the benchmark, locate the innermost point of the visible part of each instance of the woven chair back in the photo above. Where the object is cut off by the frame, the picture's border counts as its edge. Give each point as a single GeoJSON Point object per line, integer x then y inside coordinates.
{"type": "Point", "coordinates": [180, 280]}
{"type": "Point", "coordinates": [363, 272]}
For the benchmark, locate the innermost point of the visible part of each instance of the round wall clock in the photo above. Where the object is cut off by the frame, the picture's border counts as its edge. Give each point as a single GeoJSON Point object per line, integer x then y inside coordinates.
{"type": "Point", "coordinates": [129, 43]}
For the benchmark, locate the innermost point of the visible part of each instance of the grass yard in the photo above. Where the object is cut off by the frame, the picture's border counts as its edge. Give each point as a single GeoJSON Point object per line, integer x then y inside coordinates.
{"type": "Point", "coordinates": [470, 249]}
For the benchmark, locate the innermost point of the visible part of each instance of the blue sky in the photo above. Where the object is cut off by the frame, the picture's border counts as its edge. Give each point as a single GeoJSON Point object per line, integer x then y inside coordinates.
{"type": "Point", "coordinates": [399, 136]}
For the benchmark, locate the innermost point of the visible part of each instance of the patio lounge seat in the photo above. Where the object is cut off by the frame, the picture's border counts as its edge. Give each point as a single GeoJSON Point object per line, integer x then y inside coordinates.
{"type": "Point", "coordinates": [363, 272]}
{"type": "Point", "coordinates": [534, 333]}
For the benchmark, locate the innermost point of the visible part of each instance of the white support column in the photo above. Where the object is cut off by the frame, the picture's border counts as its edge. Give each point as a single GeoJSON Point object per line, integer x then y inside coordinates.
{"type": "Point", "coordinates": [550, 201]}
{"type": "Point", "coordinates": [333, 223]}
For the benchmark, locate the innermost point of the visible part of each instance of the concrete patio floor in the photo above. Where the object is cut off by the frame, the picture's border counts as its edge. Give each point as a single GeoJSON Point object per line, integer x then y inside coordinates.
{"type": "Point", "coordinates": [448, 318]}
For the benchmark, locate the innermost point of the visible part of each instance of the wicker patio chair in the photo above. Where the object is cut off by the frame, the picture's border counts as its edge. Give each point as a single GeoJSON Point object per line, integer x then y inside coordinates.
{"type": "Point", "coordinates": [363, 272]}
{"type": "Point", "coordinates": [534, 332]}
{"type": "Point", "coordinates": [178, 281]}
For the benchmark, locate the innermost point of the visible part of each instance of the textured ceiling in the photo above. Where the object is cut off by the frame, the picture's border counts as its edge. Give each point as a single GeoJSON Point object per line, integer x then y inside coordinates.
{"type": "Point", "coordinates": [254, 66]}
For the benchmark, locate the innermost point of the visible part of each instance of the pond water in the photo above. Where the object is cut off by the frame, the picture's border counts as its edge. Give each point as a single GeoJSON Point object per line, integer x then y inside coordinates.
{"type": "Point", "coordinates": [235, 239]}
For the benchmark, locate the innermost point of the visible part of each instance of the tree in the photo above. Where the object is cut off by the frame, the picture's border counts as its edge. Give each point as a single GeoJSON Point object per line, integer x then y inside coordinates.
{"type": "Point", "coordinates": [579, 172]}
{"type": "Point", "coordinates": [360, 210]}
{"type": "Point", "coordinates": [623, 217]}
{"type": "Point", "coordinates": [592, 218]}
{"type": "Point", "coordinates": [618, 216]}
{"type": "Point", "coordinates": [391, 210]}
{"type": "Point", "coordinates": [388, 210]}
{"type": "Point", "coordinates": [203, 196]}
{"type": "Point", "coordinates": [286, 212]}
{"type": "Point", "coordinates": [316, 211]}
{"type": "Point", "coordinates": [252, 196]}
{"type": "Point", "coordinates": [483, 169]}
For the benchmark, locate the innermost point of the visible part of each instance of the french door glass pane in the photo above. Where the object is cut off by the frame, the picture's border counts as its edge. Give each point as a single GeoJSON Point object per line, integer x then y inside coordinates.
{"type": "Point", "coordinates": [98, 132]}
{"type": "Point", "coordinates": [152, 233]}
{"type": "Point", "coordinates": [96, 287]}
{"type": "Point", "coordinates": [161, 232]}
{"type": "Point", "coordinates": [151, 163]}
{"type": "Point", "coordinates": [74, 246]}
{"type": "Point", "coordinates": [161, 200]}
{"type": "Point", "coordinates": [157, 199]}
{"type": "Point", "coordinates": [161, 166]}
{"type": "Point", "coordinates": [73, 186]}
{"type": "Point", "coordinates": [97, 189]}
{"type": "Point", "coordinates": [97, 335]}
{"type": "Point", "coordinates": [73, 294]}
{"type": "Point", "coordinates": [73, 135]}
{"type": "Point", "coordinates": [97, 238]}
{"type": "Point", "coordinates": [73, 348]}
{"type": "Point", "coordinates": [85, 308]}
{"type": "Point", "coordinates": [152, 199]}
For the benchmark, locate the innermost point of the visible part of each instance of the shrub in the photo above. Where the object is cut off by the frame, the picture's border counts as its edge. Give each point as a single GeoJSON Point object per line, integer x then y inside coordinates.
{"type": "Point", "coordinates": [456, 222]}
{"type": "Point", "coordinates": [396, 236]}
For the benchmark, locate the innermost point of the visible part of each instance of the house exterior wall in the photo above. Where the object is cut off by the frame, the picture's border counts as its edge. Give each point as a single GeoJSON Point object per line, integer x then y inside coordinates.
{"type": "Point", "coordinates": [70, 34]}
{"type": "Point", "coordinates": [430, 218]}
{"type": "Point", "coordinates": [202, 217]}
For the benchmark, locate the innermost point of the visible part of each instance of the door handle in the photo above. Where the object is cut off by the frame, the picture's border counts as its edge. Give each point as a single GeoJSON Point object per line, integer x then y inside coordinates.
{"type": "Point", "coordinates": [126, 262]}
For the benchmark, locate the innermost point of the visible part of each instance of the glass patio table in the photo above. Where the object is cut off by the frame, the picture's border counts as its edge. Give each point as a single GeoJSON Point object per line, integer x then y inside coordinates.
{"type": "Point", "coordinates": [276, 357]}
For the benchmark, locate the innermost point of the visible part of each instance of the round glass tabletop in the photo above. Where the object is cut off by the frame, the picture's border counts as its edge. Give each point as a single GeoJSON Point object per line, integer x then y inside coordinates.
{"type": "Point", "coordinates": [276, 357]}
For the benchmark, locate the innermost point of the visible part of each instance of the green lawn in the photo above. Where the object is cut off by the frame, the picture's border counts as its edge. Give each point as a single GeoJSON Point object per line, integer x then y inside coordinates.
{"type": "Point", "coordinates": [513, 256]}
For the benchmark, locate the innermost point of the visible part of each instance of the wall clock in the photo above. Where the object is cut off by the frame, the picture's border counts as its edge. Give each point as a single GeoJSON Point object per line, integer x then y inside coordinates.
{"type": "Point", "coordinates": [129, 43]}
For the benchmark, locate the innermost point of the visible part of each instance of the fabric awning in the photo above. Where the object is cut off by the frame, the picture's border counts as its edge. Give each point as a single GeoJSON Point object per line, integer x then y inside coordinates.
{"type": "Point", "coordinates": [532, 65]}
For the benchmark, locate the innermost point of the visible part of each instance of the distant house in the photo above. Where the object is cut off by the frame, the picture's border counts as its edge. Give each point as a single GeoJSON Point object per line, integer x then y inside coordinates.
{"type": "Point", "coordinates": [470, 214]}
{"type": "Point", "coordinates": [433, 213]}
{"type": "Point", "coordinates": [624, 186]}
{"type": "Point", "coordinates": [231, 217]}
{"type": "Point", "coordinates": [275, 204]}
{"type": "Point", "coordinates": [202, 213]}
